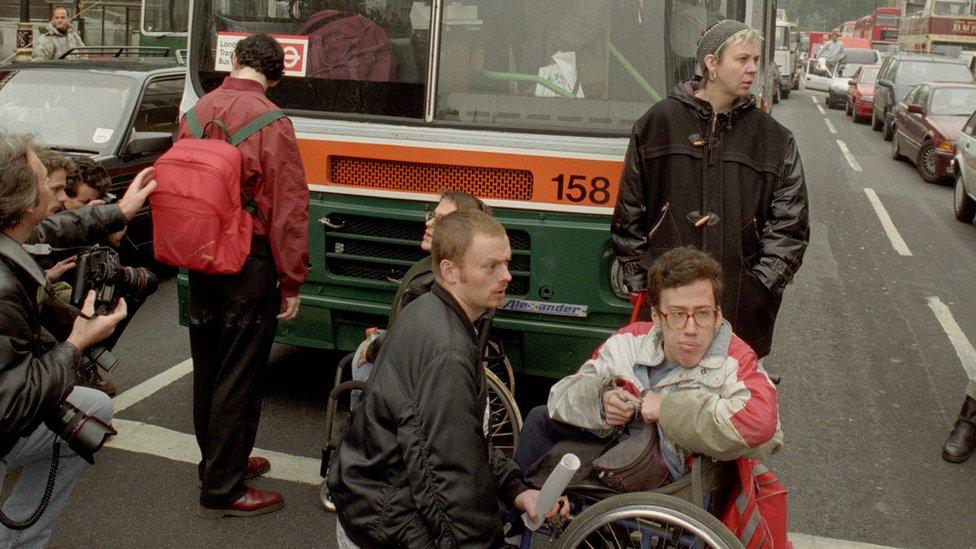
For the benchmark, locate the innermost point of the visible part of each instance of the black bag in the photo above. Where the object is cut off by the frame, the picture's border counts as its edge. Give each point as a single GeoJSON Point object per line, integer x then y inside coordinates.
{"type": "Point", "coordinates": [634, 465]}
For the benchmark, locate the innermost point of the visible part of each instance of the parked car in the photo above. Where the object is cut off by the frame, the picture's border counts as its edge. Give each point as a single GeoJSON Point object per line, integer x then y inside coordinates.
{"type": "Point", "coordinates": [121, 112]}
{"type": "Point", "coordinates": [900, 73]}
{"type": "Point", "coordinates": [860, 92]}
{"type": "Point", "coordinates": [926, 124]}
{"type": "Point", "coordinates": [964, 171]}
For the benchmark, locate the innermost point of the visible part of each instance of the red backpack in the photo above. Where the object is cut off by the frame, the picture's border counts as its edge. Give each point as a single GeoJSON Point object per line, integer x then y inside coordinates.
{"type": "Point", "coordinates": [756, 512]}
{"type": "Point", "coordinates": [348, 46]}
{"type": "Point", "coordinates": [200, 221]}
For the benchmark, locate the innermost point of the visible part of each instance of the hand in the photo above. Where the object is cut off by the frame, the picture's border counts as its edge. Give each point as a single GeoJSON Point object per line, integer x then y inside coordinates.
{"type": "Point", "coordinates": [89, 331]}
{"type": "Point", "coordinates": [54, 273]}
{"type": "Point", "coordinates": [289, 308]}
{"type": "Point", "coordinates": [651, 407]}
{"type": "Point", "coordinates": [618, 406]}
{"type": "Point", "coordinates": [115, 239]}
{"type": "Point", "coordinates": [135, 196]}
{"type": "Point", "coordinates": [526, 502]}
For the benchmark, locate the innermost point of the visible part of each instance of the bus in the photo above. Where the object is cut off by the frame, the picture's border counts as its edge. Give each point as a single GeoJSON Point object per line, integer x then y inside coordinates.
{"type": "Point", "coordinates": [941, 26]}
{"type": "Point", "coordinates": [786, 55]}
{"type": "Point", "coordinates": [164, 23]}
{"type": "Point", "coordinates": [848, 28]}
{"type": "Point", "coordinates": [481, 102]}
{"type": "Point", "coordinates": [881, 28]}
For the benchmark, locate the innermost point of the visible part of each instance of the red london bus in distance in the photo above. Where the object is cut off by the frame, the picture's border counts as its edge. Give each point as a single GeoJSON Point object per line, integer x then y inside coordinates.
{"type": "Point", "coordinates": [881, 28]}
{"type": "Point", "coordinates": [847, 29]}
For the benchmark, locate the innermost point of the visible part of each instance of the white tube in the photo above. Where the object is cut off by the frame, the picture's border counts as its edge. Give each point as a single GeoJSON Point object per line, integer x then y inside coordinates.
{"type": "Point", "coordinates": [552, 489]}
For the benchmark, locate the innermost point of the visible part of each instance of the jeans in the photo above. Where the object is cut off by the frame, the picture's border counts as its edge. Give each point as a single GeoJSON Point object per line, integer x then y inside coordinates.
{"type": "Point", "coordinates": [539, 434]}
{"type": "Point", "coordinates": [33, 453]}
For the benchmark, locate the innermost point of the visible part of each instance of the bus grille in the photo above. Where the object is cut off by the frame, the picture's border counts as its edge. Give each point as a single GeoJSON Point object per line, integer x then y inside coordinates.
{"type": "Point", "coordinates": [381, 249]}
{"type": "Point", "coordinates": [495, 183]}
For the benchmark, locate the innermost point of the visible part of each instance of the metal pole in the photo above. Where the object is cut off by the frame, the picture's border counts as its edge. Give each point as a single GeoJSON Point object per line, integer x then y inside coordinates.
{"type": "Point", "coordinates": [25, 34]}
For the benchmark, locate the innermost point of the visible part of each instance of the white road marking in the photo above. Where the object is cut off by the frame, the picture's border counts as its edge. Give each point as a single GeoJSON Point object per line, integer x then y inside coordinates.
{"type": "Point", "coordinates": [821, 109]}
{"type": "Point", "coordinates": [964, 349]}
{"type": "Point", "coordinates": [850, 157]}
{"type": "Point", "coordinates": [897, 242]}
{"type": "Point", "coordinates": [830, 126]}
{"type": "Point", "coordinates": [806, 541]}
{"type": "Point", "coordinates": [151, 385]}
{"type": "Point", "coordinates": [814, 99]}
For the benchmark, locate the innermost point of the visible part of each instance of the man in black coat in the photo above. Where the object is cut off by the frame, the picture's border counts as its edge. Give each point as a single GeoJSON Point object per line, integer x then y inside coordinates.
{"type": "Point", "coordinates": [415, 468]}
{"type": "Point", "coordinates": [706, 168]}
{"type": "Point", "coordinates": [37, 373]}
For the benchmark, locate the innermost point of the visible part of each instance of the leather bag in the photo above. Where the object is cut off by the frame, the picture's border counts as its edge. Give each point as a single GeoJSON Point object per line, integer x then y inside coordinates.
{"type": "Point", "coordinates": [635, 464]}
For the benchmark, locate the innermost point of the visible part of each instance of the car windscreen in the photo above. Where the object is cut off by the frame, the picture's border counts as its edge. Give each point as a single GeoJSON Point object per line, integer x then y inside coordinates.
{"type": "Point", "coordinates": [911, 73]}
{"type": "Point", "coordinates": [869, 76]}
{"type": "Point", "coordinates": [68, 110]}
{"type": "Point", "coordinates": [952, 102]}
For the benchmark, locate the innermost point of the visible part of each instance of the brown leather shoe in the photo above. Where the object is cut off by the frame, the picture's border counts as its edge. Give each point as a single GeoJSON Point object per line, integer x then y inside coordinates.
{"type": "Point", "coordinates": [254, 502]}
{"type": "Point", "coordinates": [256, 466]}
{"type": "Point", "coordinates": [962, 440]}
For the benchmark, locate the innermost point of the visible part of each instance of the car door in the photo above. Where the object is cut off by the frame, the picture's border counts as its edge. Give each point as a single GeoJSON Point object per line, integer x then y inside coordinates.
{"type": "Point", "coordinates": [901, 119]}
{"type": "Point", "coordinates": [881, 92]}
{"type": "Point", "coordinates": [158, 111]}
{"type": "Point", "coordinates": [913, 129]}
{"type": "Point", "coordinates": [966, 151]}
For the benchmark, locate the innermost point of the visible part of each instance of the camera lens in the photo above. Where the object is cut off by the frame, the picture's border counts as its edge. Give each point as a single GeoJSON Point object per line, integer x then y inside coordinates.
{"type": "Point", "coordinates": [137, 282]}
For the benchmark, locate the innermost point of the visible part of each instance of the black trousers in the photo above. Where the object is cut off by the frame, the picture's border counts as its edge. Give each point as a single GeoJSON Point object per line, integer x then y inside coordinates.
{"type": "Point", "coordinates": [232, 327]}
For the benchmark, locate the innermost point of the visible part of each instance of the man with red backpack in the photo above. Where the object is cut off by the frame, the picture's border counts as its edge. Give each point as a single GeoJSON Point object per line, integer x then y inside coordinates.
{"type": "Point", "coordinates": [233, 317]}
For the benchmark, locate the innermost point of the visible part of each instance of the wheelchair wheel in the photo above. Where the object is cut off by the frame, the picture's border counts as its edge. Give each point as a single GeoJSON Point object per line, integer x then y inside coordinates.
{"type": "Point", "coordinates": [497, 363]}
{"type": "Point", "coordinates": [503, 421]}
{"type": "Point", "coordinates": [647, 519]}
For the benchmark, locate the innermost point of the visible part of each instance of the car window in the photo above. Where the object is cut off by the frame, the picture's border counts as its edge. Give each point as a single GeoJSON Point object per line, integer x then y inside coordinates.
{"type": "Point", "coordinates": [869, 75]}
{"type": "Point", "coordinates": [953, 101]}
{"type": "Point", "coordinates": [75, 110]}
{"type": "Point", "coordinates": [910, 98]}
{"type": "Point", "coordinates": [160, 108]}
{"type": "Point", "coordinates": [970, 127]}
{"type": "Point", "coordinates": [922, 97]}
{"type": "Point", "coordinates": [889, 70]}
{"type": "Point", "coordinates": [916, 72]}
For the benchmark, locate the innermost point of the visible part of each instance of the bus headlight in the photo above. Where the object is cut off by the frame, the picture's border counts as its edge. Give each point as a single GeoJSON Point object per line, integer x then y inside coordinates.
{"type": "Point", "coordinates": [617, 280]}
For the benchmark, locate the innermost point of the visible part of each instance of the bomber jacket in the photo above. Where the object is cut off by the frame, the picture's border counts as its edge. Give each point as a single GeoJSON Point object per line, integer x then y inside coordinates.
{"type": "Point", "coordinates": [730, 184]}
{"type": "Point", "coordinates": [36, 372]}
{"type": "Point", "coordinates": [53, 43]}
{"type": "Point", "coordinates": [84, 226]}
{"type": "Point", "coordinates": [724, 408]}
{"type": "Point", "coordinates": [415, 468]}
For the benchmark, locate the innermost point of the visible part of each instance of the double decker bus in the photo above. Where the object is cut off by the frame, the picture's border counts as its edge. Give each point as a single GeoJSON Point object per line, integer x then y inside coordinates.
{"type": "Point", "coordinates": [164, 23]}
{"type": "Point", "coordinates": [881, 28]}
{"type": "Point", "coordinates": [480, 102]}
{"type": "Point", "coordinates": [848, 28]}
{"type": "Point", "coordinates": [939, 26]}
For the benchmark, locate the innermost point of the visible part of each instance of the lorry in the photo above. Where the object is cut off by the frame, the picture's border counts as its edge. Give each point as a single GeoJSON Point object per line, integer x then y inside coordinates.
{"type": "Point", "coordinates": [785, 54]}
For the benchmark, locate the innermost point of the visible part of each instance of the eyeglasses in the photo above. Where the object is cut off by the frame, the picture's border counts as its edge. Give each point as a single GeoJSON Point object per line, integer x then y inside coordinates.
{"type": "Point", "coordinates": [430, 215]}
{"type": "Point", "coordinates": [676, 320]}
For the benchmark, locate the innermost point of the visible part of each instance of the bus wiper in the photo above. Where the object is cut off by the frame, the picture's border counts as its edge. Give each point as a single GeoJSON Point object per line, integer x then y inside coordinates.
{"type": "Point", "coordinates": [71, 149]}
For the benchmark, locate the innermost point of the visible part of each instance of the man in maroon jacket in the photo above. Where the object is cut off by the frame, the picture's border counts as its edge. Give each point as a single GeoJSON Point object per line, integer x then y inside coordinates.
{"type": "Point", "coordinates": [233, 318]}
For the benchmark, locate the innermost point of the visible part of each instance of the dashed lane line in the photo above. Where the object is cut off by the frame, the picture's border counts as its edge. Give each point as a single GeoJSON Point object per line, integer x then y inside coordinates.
{"type": "Point", "coordinates": [897, 242]}
{"type": "Point", "coordinates": [964, 349]}
{"type": "Point", "coordinates": [821, 109]}
{"type": "Point", "coordinates": [850, 157]}
{"type": "Point", "coordinates": [814, 99]}
{"type": "Point", "coordinates": [830, 126]}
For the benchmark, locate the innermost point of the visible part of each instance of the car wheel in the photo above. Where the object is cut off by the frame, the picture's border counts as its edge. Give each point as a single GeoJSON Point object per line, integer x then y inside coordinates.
{"type": "Point", "coordinates": [926, 163]}
{"type": "Point", "coordinates": [875, 123]}
{"type": "Point", "coordinates": [785, 93]}
{"type": "Point", "coordinates": [858, 118]}
{"type": "Point", "coordinates": [776, 95]}
{"type": "Point", "coordinates": [895, 153]}
{"type": "Point", "coordinates": [886, 131]}
{"type": "Point", "coordinates": [848, 108]}
{"type": "Point", "coordinates": [962, 203]}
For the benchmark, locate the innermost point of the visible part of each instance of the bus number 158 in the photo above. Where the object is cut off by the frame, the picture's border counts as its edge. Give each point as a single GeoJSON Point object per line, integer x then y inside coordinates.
{"type": "Point", "coordinates": [576, 188]}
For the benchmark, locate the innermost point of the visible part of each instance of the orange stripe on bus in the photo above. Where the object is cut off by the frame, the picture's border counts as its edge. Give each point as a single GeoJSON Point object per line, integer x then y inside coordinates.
{"type": "Point", "coordinates": [563, 181]}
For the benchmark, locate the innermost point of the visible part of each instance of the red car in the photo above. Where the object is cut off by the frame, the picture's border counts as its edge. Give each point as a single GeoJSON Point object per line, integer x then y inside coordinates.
{"type": "Point", "coordinates": [860, 96]}
{"type": "Point", "coordinates": [926, 124]}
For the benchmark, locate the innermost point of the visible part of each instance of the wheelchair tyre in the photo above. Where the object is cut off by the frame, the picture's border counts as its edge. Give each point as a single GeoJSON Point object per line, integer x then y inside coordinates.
{"type": "Point", "coordinates": [503, 421]}
{"type": "Point", "coordinates": [497, 363]}
{"type": "Point", "coordinates": [646, 519]}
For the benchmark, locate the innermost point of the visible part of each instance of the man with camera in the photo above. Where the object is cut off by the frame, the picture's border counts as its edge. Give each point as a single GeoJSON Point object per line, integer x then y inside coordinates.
{"type": "Point", "coordinates": [37, 373]}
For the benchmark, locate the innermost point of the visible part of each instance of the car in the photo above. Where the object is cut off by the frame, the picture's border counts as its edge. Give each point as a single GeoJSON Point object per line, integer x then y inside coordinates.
{"type": "Point", "coordinates": [964, 172]}
{"type": "Point", "coordinates": [835, 83]}
{"type": "Point", "coordinates": [903, 71]}
{"type": "Point", "coordinates": [122, 112]}
{"type": "Point", "coordinates": [926, 124]}
{"type": "Point", "coordinates": [860, 93]}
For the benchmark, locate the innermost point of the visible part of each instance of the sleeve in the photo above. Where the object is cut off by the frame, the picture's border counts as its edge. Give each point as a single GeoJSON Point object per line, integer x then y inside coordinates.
{"type": "Point", "coordinates": [30, 386]}
{"type": "Point", "coordinates": [446, 454]}
{"type": "Point", "coordinates": [578, 399]}
{"type": "Point", "coordinates": [743, 422]}
{"type": "Point", "coordinates": [628, 227]}
{"type": "Point", "coordinates": [284, 175]}
{"type": "Point", "coordinates": [508, 477]}
{"type": "Point", "coordinates": [43, 49]}
{"type": "Point", "coordinates": [81, 227]}
{"type": "Point", "coordinates": [787, 231]}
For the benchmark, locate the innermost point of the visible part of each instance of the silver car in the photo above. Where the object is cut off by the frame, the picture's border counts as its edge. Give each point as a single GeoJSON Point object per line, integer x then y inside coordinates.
{"type": "Point", "coordinates": [964, 169]}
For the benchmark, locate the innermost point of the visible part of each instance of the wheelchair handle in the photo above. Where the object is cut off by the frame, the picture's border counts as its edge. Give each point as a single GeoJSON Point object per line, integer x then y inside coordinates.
{"type": "Point", "coordinates": [345, 387]}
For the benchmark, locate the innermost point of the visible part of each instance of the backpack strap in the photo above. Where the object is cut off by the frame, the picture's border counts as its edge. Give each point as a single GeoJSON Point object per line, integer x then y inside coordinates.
{"type": "Point", "coordinates": [254, 126]}
{"type": "Point", "coordinates": [193, 123]}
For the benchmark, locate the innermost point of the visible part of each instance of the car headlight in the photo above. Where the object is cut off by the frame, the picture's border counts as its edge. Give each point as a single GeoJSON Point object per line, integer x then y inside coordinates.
{"type": "Point", "coordinates": [944, 145]}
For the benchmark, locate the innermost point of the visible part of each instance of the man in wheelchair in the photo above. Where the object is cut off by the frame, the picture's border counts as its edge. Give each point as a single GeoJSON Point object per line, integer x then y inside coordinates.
{"type": "Point", "coordinates": [685, 374]}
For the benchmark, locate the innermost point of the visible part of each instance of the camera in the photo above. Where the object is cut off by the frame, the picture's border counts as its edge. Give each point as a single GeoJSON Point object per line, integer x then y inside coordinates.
{"type": "Point", "coordinates": [84, 434]}
{"type": "Point", "coordinates": [100, 269]}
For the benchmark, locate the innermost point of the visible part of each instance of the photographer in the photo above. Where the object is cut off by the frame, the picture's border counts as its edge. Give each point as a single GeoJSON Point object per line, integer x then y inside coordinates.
{"type": "Point", "coordinates": [37, 374]}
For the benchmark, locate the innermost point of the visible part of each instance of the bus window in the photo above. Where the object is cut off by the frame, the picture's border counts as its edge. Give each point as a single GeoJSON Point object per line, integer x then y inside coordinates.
{"type": "Point", "coordinates": [953, 7]}
{"type": "Point", "coordinates": [165, 16]}
{"type": "Point", "coordinates": [361, 58]}
{"type": "Point", "coordinates": [591, 66]}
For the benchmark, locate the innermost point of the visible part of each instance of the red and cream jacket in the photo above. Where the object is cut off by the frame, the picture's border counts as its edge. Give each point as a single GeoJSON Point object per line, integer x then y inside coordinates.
{"type": "Point", "coordinates": [725, 407]}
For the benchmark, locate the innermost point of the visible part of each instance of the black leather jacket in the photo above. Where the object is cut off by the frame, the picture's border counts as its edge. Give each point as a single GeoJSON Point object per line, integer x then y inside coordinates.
{"type": "Point", "coordinates": [730, 184]}
{"type": "Point", "coordinates": [415, 468]}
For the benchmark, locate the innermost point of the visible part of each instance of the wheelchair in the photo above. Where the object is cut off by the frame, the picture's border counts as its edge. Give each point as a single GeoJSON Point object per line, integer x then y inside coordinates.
{"type": "Point", "coordinates": [502, 422]}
